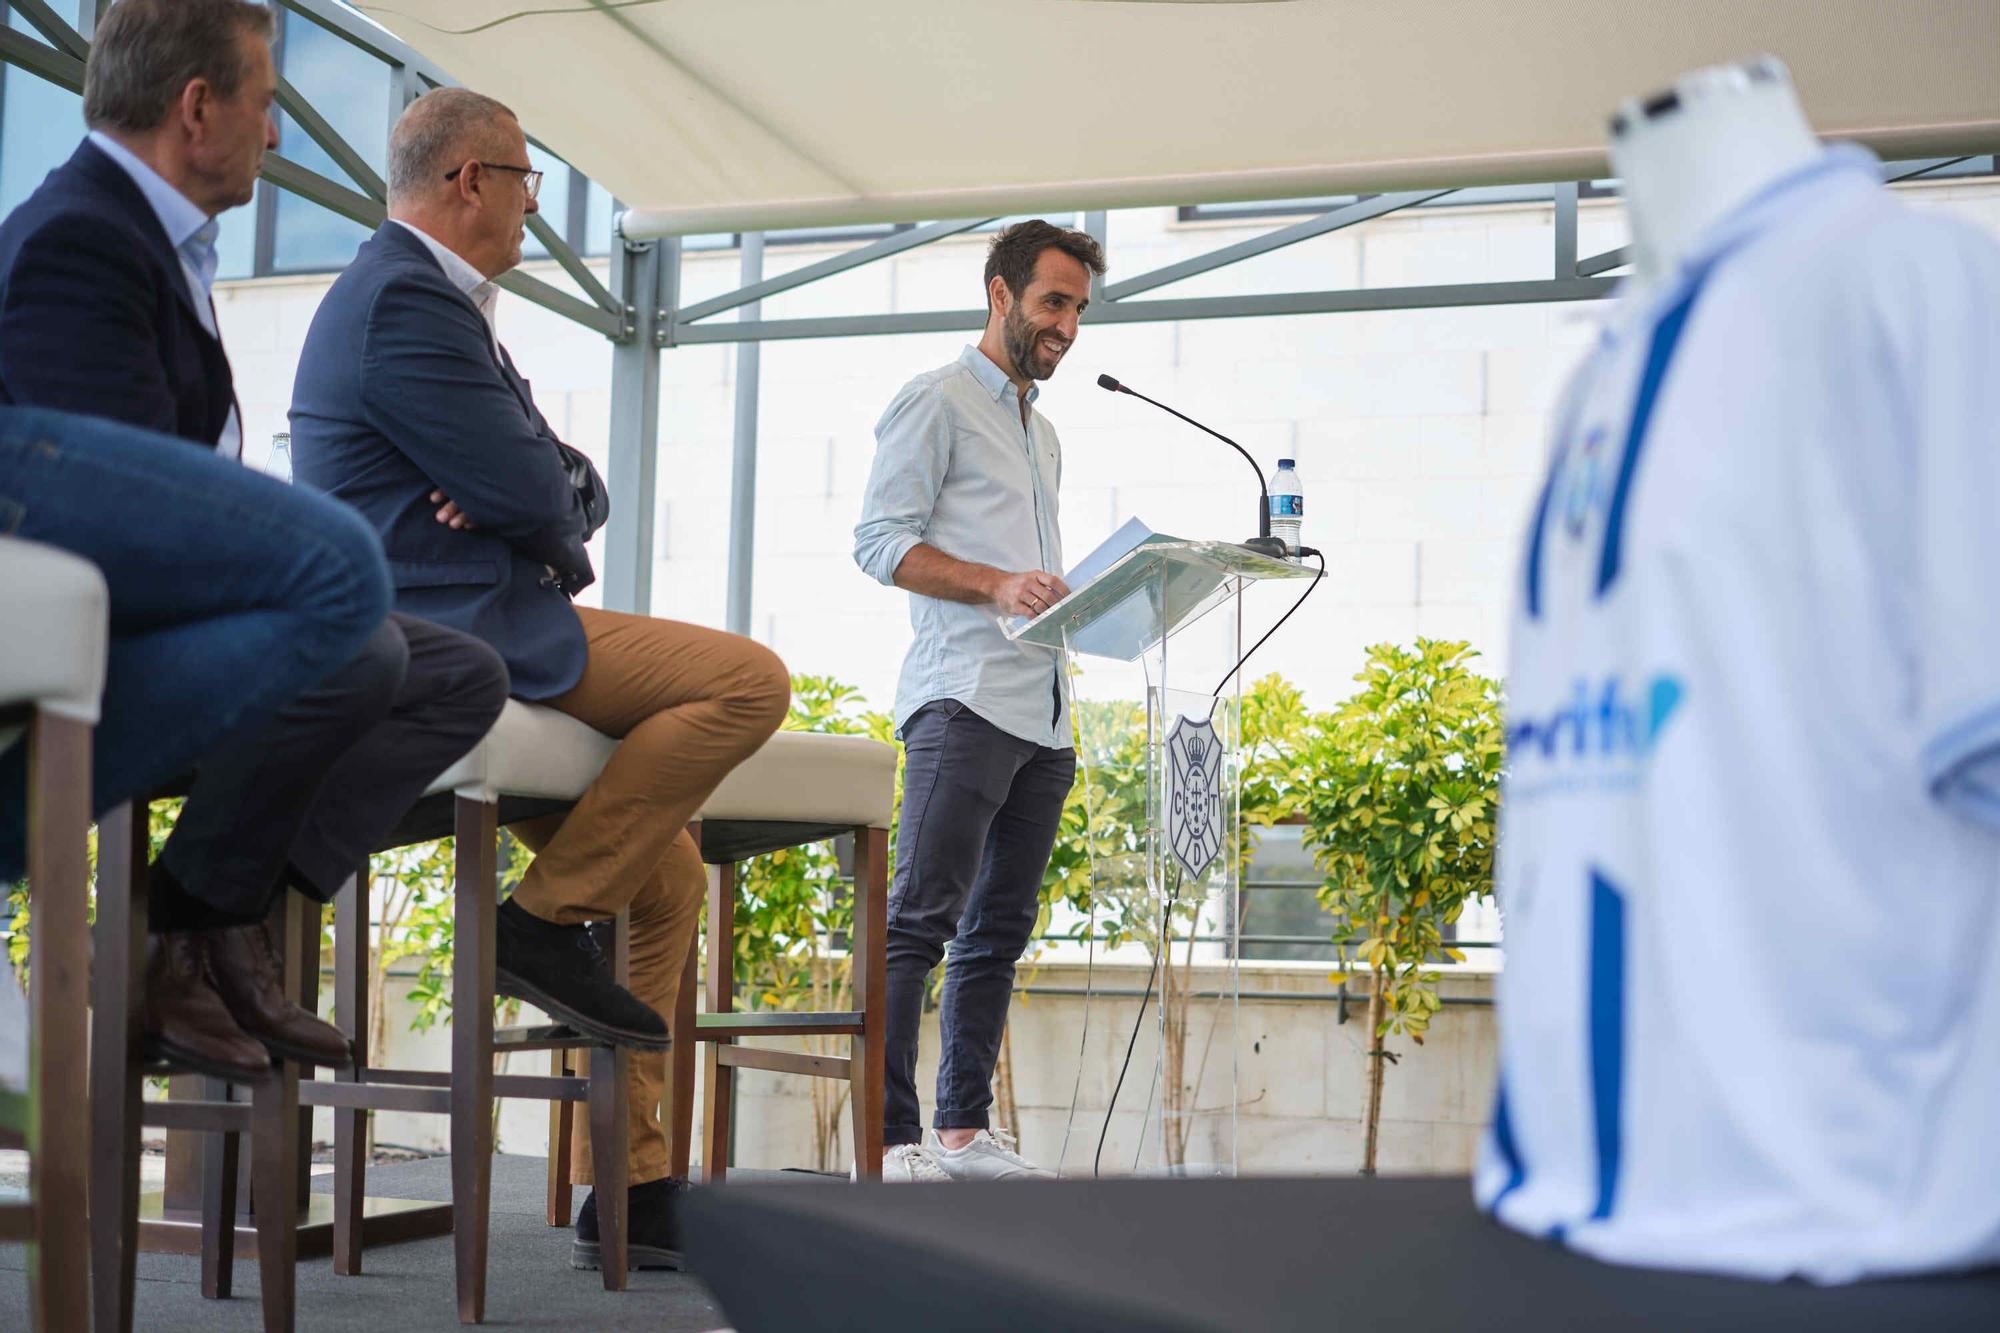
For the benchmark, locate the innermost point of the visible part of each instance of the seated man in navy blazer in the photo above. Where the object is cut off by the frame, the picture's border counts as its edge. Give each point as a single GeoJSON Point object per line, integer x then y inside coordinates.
{"type": "Point", "coordinates": [105, 311]}
{"type": "Point", "coordinates": [408, 408]}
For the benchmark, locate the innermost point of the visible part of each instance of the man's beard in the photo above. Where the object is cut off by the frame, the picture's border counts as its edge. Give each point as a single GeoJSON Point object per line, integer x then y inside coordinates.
{"type": "Point", "coordinates": [1021, 339]}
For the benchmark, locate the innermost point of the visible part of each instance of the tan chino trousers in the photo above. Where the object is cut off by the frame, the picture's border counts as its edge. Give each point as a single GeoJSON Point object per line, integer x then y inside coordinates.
{"type": "Point", "coordinates": [687, 704]}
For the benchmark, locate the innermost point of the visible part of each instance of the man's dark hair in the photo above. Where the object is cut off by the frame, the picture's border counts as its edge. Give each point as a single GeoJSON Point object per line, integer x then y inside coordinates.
{"type": "Point", "coordinates": [1017, 249]}
{"type": "Point", "coordinates": [144, 52]}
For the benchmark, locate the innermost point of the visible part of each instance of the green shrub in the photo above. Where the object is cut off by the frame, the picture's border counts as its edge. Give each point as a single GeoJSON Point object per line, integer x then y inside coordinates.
{"type": "Point", "coordinates": [1401, 789]}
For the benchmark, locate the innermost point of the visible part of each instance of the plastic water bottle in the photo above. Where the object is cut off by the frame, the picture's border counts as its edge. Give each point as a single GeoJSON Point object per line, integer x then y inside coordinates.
{"type": "Point", "coordinates": [279, 464]}
{"type": "Point", "coordinates": [1288, 506]}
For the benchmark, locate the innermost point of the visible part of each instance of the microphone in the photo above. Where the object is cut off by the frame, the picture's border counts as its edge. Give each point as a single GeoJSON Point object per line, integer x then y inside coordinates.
{"type": "Point", "coordinates": [1263, 543]}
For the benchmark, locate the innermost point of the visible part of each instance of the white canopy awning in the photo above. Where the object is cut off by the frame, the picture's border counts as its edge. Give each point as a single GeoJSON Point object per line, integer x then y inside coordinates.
{"type": "Point", "coordinates": [717, 115]}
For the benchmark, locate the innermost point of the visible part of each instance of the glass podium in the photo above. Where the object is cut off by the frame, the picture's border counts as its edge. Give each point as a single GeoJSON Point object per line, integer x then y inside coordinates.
{"type": "Point", "coordinates": [1150, 644]}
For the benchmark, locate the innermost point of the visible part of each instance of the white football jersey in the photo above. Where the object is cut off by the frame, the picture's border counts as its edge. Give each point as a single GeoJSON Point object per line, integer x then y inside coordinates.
{"type": "Point", "coordinates": [1750, 838]}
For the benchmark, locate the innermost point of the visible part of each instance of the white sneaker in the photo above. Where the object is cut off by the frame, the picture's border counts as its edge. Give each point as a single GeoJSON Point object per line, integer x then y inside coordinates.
{"type": "Point", "coordinates": [907, 1163]}
{"type": "Point", "coordinates": [990, 1156]}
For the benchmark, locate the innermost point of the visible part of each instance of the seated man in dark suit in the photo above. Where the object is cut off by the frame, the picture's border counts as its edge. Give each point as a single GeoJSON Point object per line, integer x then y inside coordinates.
{"type": "Point", "coordinates": [408, 408]}
{"type": "Point", "coordinates": [105, 311]}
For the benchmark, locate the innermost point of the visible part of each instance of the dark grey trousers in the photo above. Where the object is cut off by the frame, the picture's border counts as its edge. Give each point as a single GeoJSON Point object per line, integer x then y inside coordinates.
{"type": "Point", "coordinates": [304, 795]}
{"type": "Point", "coordinates": [980, 812]}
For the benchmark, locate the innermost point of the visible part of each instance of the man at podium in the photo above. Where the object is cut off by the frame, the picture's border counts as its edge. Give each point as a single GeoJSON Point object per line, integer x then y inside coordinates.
{"type": "Point", "coordinates": [960, 512]}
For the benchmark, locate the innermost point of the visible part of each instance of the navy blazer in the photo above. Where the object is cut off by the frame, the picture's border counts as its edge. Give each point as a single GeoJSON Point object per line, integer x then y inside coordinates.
{"type": "Point", "coordinates": [96, 314]}
{"type": "Point", "coordinates": [400, 391]}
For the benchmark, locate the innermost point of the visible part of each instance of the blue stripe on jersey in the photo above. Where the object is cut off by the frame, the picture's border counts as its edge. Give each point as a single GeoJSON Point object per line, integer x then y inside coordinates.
{"type": "Point", "coordinates": [1957, 764]}
{"type": "Point", "coordinates": [1536, 534]}
{"type": "Point", "coordinates": [1607, 1031]}
{"type": "Point", "coordinates": [1666, 334]}
{"type": "Point", "coordinates": [1534, 572]}
{"type": "Point", "coordinates": [1503, 1143]}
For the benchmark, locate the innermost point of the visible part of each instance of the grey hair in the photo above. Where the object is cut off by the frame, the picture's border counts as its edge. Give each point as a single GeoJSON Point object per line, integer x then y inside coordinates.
{"type": "Point", "coordinates": [144, 53]}
{"type": "Point", "coordinates": [437, 132]}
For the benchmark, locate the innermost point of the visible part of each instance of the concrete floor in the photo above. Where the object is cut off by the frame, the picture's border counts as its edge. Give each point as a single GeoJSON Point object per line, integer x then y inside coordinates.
{"type": "Point", "coordinates": [530, 1284]}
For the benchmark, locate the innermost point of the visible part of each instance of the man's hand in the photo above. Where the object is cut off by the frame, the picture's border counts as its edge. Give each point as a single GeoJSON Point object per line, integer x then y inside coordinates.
{"type": "Point", "coordinates": [451, 515]}
{"type": "Point", "coordinates": [1028, 594]}
{"type": "Point", "coordinates": [931, 573]}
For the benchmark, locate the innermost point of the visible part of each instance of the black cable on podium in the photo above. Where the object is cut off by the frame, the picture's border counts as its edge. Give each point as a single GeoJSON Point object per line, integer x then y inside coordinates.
{"type": "Point", "coordinates": [1163, 959]}
{"type": "Point", "coordinates": [1216, 693]}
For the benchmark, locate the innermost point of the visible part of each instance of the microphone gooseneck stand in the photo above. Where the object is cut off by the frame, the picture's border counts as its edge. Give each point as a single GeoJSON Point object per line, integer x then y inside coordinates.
{"type": "Point", "coordinates": [1263, 543]}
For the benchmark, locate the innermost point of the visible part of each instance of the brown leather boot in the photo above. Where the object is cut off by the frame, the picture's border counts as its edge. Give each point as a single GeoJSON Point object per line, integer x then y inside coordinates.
{"type": "Point", "coordinates": [187, 1026]}
{"type": "Point", "coordinates": [247, 972]}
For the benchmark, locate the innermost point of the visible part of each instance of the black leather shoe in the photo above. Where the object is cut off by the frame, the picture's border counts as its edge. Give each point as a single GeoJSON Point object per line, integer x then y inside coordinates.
{"type": "Point", "coordinates": [652, 1228]}
{"type": "Point", "coordinates": [560, 970]}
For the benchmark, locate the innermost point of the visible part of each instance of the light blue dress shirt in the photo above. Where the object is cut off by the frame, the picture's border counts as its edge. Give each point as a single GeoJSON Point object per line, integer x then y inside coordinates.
{"type": "Point", "coordinates": [956, 468]}
{"type": "Point", "coordinates": [192, 233]}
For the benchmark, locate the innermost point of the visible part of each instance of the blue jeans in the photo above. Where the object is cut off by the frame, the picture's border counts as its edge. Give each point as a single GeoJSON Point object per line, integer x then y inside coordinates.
{"type": "Point", "coordinates": [231, 592]}
{"type": "Point", "coordinates": [980, 812]}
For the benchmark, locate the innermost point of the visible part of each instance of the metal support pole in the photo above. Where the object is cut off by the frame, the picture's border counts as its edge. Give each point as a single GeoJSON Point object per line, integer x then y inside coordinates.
{"type": "Point", "coordinates": [405, 86]}
{"type": "Point", "coordinates": [635, 423]}
{"type": "Point", "coordinates": [743, 473]}
{"type": "Point", "coordinates": [1565, 257]}
{"type": "Point", "coordinates": [1097, 226]}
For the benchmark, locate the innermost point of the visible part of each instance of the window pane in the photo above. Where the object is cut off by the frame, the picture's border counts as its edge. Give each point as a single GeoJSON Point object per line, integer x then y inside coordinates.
{"type": "Point", "coordinates": [236, 244]}
{"type": "Point", "coordinates": [553, 200]}
{"type": "Point", "coordinates": [345, 85]}
{"type": "Point", "coordinates": [598, 219]}
{"type": "Point", "coordinates": [351, 90]}
{"type": "Point", "coordinates": [39, 122]}
{"type": "Point", "coordinates": [310, 238]}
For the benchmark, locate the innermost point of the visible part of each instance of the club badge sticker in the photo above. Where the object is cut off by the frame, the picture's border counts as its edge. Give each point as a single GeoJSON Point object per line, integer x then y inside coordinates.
{"type": "Point", "coordinates": [1194, 794]}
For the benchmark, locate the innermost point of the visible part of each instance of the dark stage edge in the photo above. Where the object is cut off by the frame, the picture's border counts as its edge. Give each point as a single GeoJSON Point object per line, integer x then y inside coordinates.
{"type": "Point", "coordinates": [1222, 1256]}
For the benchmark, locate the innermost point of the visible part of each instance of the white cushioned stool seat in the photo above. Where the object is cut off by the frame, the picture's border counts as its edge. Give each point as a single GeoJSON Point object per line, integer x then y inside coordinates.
{"type": "Point", "coordinates": [795, 777]}
{"type": "Point", "coordinates": [800, 777]}
{"type": "Point", "coordinates": [53, 629]}
{"type": "Point", "coordinates": [531, 751]}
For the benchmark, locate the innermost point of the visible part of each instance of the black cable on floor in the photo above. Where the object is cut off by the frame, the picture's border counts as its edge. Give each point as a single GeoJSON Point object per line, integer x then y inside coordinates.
{"type": "Point", "coordinates": [1164, 959]}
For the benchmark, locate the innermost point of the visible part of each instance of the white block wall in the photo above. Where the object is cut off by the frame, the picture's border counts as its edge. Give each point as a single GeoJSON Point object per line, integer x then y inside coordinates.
{"type": "Point", "coordinates": [1418, 434]}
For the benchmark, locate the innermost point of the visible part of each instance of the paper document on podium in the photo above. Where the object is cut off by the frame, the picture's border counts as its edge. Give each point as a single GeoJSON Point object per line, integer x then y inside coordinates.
{"type": "Point", "coordinates": [1130, 537]}
{"type": "Point", "coordinates": [1118, 606]}
{"type": "Point", "coordinates": [1111, 550]}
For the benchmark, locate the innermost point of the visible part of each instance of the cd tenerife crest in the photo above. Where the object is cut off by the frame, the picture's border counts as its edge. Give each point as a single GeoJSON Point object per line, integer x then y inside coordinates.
{"type": "Point", "coordinates": [1194, 794]}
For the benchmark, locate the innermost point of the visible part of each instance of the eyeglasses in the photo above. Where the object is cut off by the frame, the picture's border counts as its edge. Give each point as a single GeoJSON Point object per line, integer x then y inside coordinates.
{"type": "Point", "coordinates": [530, 178]}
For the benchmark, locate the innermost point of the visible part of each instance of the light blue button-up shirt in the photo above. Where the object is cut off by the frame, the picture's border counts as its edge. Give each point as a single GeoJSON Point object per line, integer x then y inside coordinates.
{"type": "Point", "coordinates": [192, 233]}
{"type": "Point", "coordinates": [956, 468]}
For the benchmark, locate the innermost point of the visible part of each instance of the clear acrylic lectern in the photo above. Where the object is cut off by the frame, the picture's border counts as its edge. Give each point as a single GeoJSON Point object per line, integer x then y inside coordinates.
{"type": "Point", "coordinates": [1157, 716]}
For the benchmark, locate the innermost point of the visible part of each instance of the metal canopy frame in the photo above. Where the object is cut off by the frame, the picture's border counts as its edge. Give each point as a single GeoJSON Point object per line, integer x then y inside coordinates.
{"type": "Point", "coordinates": [1111, 305]}
{"type": "Point", "coordinates": [640, 313]}
{"type": "Point", "coordinates": [62, 63]}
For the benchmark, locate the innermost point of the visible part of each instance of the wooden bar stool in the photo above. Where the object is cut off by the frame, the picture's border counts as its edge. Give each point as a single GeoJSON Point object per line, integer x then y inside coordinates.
{"type": "Point", "coordinates": [799, 788]}
{"type": "Point", "coordinates": [535, 761]}
{"type": "Point", "coordinates": [53, 610]}
{"type": "Point", "coordinates": [118, 1111]}
{"type": "Point", "coordinates": [195, 1186]}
